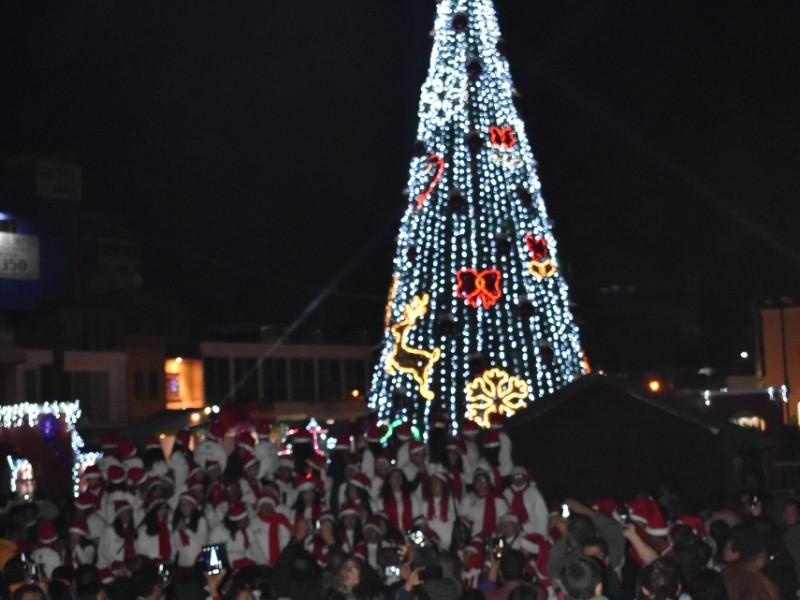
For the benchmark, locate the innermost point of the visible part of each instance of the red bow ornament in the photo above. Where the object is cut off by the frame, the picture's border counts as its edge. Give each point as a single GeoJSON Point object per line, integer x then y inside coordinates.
{"type": "Point", "coordinates": [479, 287]}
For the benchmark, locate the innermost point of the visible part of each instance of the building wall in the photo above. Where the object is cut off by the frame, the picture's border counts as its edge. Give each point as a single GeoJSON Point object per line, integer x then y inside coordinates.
{"type": "Point", "coordinates": [781, 338]}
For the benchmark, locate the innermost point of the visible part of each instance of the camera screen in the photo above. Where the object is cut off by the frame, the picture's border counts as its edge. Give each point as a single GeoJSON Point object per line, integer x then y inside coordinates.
{"type": "Point", "coordinates": [214, 558]}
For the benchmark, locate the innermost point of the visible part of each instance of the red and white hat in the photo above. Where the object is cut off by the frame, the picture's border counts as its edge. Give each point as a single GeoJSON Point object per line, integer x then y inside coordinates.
{"type": "Point", "coordinates": [373, 434]}
{"type": "Point", "coordinates": [152, 443]}
{"type": "Point", "coordinates": [116, 474]}
{"type": "Point", "coordinates": [79, 526]}
{"type": "Point", "coordinates": [109, 441]}
{"type": "Point", "coordinates": [304, 482]}
{"type": "Point", "coordinates": [120, 506]}
{"type": "Point", "coordinates": [403, 432]}
{"type": "Point", "coordinates": [342, 444]}
{"type": "Point", "coordinates": [127, 449]}
{"type": "Point", "coordinates": [302, 436]}
{"type": "Point", "coordinates": [85, 501]}
{"type": "Point", "coordinates": [496, 421]}
{"type": "Point", "coordinates": [316, 462]}
{"type": "Point", "coordinates": [136, 475]}
{"type": "Point", "coordinates": [264, 429]}
{"type": "Point", "coordinates": [438, 422]}
{"type": "Point", "coordinates": [183, 437]}
{"type": "Point", "coordinates": [509, 517]}
{"type": "Point", "coordinates": [285, 460]}
{"type": "Point", "coordinates": [237, 510]}
{"type": "Point", "coordinates": [415, 447]}
{"type": "Point", "coordinates": [266, 498]}
{"type": "Point", "coordinates": [470, 429]}
{"type": "Point", "coordinates": [212, 465]}
{"type": "Point", "coordinates": [361, 481]}
{"type": "Point", "coordinates": [458, 444]}
{"type": "Point", "coordinates": [607, 506]}
{"type": "Point", "coordinates": [696, 524]}
{"type": "Point", "coordinates": [92, 471]}
{"type": "Point", "coordinates": [372, 523]}
{"type": "Point", "coordinates": [187, 498]}
{"type": "Point", "coordinates": [153, 502]}
{"type": "Point", "coordinates": [348, 508]}
{"type": "Point", "coordinates": [194, 483]}
{"type": "Point", "coordinates": [491, 440]}
{"type": "Point", "coordinates": [46, 532]}
{"type": "Point", "coordinates": [244, 439]}
{"type": "Point", "coordinates": [216, 432]}
{"type": "Point", "coordinates": [248, 460]}
{"type": "Point", "coordinates": [646, 512]}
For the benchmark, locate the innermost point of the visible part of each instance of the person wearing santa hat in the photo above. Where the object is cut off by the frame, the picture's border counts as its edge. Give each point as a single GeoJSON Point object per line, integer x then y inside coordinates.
{"type": "Point", "coordinates": [460, 472]}
{"type": "Point", "coordinates": [438, 506]}
{"type": "Point", "coordinates": [118, 541]}
{"type": "Point", "coordinates": [211, 448]}
{"type": "Point", "coordinates": [154, 461]}
{"type": "Point", "coordinates": [110, 446]}
{"type": "Point", "coordinates": [397, 502]}
{"type": "Point", "coordinates": [490, 450]}
{"type": "Point", "coordinates": [308, 505]}
{"type": "Point", "coordinates": [416, 469]}
{"type": "Point", "coordinates": [233, 532]}
{"type": "Point", "coordinates": [79, 549]}
{"type": "Point", "coordinates": [129, 455]}
{"type": "Point", "coordinates": [189, 531]}
{"type": "Point", "coordinates": [470, 432]}
{"type": "Point", "coordinates": [87, 510]}
{"type": "Point", "coordinates": [527, 502]}
{"type": "Point", "coordinates": [536, 550]}
{"type": "Point", "coordinates": [181, 458]}
{"type": "Point", "coordinates": [401, 437]}
{"type": "Point", "coordinates": [349, 532]}
{"type": "Point", "coordinates": [302, 441]}
{"type": "Point", "coordinates": [382, 466]}
{"type": "Point", "coordinates": [369, 550]}
{"type": "Point", "coordinates": [155, 540]}
{"type": "Point", "coordinates": [269, 532]}
{"type": "Point", "coordinates": [497, 424]}
{"type": "Point", "coordinates": [357, 492]}
{"type": "Point", "coordinates": [372, 437]}
{"type": "Point", "coordinates": [45, 555]}
{"type": "Point", "coordinates": [116, 489]}
{"type": "Point", "coordinates": [93, 479]}
{"type": "Point", "coordinates": [284, 479]}
{"type": "Point", "coordinates": [265, 451]}
{"type": "Point", "coordinates": [251, 488]}
{"type": "Point", "coordinates": [483, 506]}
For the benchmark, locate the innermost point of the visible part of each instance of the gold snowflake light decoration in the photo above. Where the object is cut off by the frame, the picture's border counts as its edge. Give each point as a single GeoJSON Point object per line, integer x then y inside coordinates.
{"type": "Point", "coordinates": [495, 391]}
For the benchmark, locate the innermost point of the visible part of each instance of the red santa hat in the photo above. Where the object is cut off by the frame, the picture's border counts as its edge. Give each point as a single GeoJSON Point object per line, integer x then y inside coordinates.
{"type": "Point", "coordinates": [520, 470]}
{"type": "Point", "coordinates": [438, 471]}
{"type": "Point", "coordinates": [372, 523]}
{"type": "Point", "coordinates": [85, 501]}
{"type": "Point", "coordinates": [237, 510]}
{"type": "Point", "coordinates": [194, 482]}
{"type": "Point", "coordinates": [153, 502]}
{"type": "Point", "coordinates": [120, 506]}
{"type": "Point", "coordinates": [607, 506]}
{"type": "Point", "coordinates": [79, 526]}
{"type": "Point", "coordinates": [109, 441]}
{"type": "Point", "coordinates": [483, 469]}
{"type": "Point", "coordinates": [470, 429]}
{"type": "Point", "coordinates": [136, 475]}
{"type": "Point", "coordinates": [116, 474]}
{"type": "Point", "coordinates": [438, 422]}
{"type": "Point", "coordinates": [304, 482]}
{"type": "Point", "coordinates": [126, 449]}
{"type": "Point", "coordinates": [458, 444]}
{"type": "Point", "coordinates": [187, 498]}
{"type": "Point", "coordinates": [244, 439]}
{"type": "Point", "coordinates": [647, 513]}
{"type": "Point", "coordinates": [46, 532]}
{"type": "Point", "coordinates": [316, 462]}
{"type": "Point", "coordinates": [696, 524]}
{"type": "Point", "coordinates": [342, 444]}
{"type": "Point", "coordinates": [183, 437]}
{"type": "Point", "coordinates": [216, 432]}
{"type": "Point", "coordinates": [361, 481]}
{"type": "Point", "coordinates": [496, 421]}
{"type": "Point", "coordinates": [264, 429]}
{"type": "Point", "coordinates": [302, 436]}
{"type": "Point", "coordinates": [491, 440]}
{"type": "Point", "coordinates": [248, 460]}
{"type": "Point", "coordinates": [403, 432]}
{"type": "Point", "coordinates": [266, 498]}
{"type": "Point", "coordinates": [348, 508]}
{"type": "Point", "coordinates": [285, 460]}
{"type": "Point", "coordinates": [152, 443]}
{"type": "Point", "coordinates": [382, 458]}
{"type": "Point", "coordinates": [373, 433]}
{"type": "Point", "coordinates": [509, 517]}
{"type": "Point", "coordinates": [415, 447]}
{"type": "Point", "coordinates": [213, 465]}
{"type": "Point", "coordinates": [92, 471]}
{"type": "Point", "coordinates": [326, 515]}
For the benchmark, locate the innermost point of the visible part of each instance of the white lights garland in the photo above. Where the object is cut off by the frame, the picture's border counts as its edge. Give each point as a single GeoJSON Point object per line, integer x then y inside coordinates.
{"type": "Point", "coordinates": [439, 237]}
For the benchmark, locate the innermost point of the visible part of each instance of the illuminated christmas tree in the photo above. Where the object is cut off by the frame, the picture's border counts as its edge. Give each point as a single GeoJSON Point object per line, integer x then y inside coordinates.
{"type": "Point", "coordinates": [478, 317]}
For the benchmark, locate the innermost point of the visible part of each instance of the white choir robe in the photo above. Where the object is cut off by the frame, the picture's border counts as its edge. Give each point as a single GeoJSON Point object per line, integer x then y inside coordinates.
{"type": "Point", "coordinates": [188, 553]}
{"type": "Point", "coordinates": [238, 545]}
{"type": "Point", "coordinates": [47, 558]}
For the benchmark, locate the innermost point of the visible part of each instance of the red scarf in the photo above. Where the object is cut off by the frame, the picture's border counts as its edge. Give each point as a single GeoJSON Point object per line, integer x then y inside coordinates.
{"type": "Point", "coordinates": [184, 537]}
{"type": "Point", "coordinates": [254, 486]}
{"type": "Point", "coordinates": [164, 545]}
{"type": "Point", "coordinates": [518, 505]}
{"type": "Point", "coordinates": [275, 521]}
{"type": "Point", "coordinates": [455, 483]}
{"type": "Point", "coordinates": [69, 560]}
{"type": "Point", "coordinates": [391, 511]}
{"type": "Point", "coordinates": [130, 547]}
{"type": "Point", "coordinates": [442, 511]}
{"type": "Point", "coordinates": [497, 480]}
{"type": "Point", "coordinates": [489, 514]}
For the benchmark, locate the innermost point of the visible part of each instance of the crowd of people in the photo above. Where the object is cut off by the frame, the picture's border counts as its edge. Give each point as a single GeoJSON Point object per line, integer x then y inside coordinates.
{"type": "Point", "coordinates": [383, 516]}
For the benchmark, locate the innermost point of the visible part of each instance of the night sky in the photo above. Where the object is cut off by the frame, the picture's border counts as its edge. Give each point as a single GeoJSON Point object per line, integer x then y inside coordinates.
{"type": "Point", "coordinates": [258, 151]}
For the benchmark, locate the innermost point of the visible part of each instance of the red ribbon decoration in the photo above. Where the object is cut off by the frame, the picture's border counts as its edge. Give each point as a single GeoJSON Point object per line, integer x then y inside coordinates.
{"type": "Point", "coordinates": [502, 136]}
{"type": "Point", "coordinates": [432, 161]}
{"type": "Point", "coordinates": [479, 287]}
{"type": "Point", "coordinates": [537, 246]}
